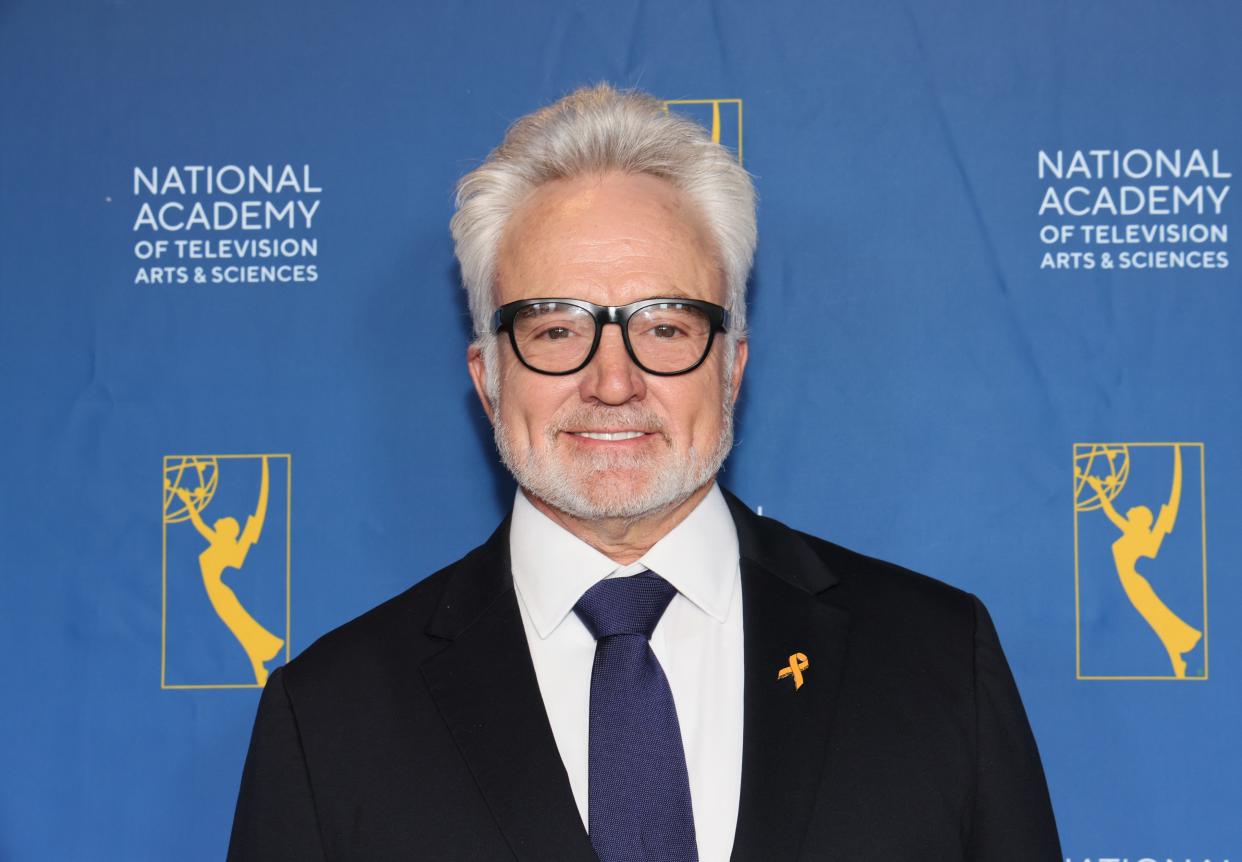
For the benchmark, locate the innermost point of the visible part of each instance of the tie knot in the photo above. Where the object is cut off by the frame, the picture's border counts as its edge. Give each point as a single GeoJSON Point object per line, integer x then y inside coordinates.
{"type": "Point", "coordinates": [625, 606]}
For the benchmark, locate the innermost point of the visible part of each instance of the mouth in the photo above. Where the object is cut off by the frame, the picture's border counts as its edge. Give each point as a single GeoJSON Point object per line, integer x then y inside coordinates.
{"type": "Point", "coordinates": [624, 436]}
{"type": "Point", "coordinates": [608, 435]}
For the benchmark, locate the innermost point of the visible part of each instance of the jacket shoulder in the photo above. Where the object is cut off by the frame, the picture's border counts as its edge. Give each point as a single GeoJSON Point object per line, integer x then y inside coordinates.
{"type": "Point", "coordinates": [910, 626]}
{"type": "Point", "coordinates": [876, 589]}
{"type": "Point", "coordinates": [880, 576]}
{"type": "Point", "coordinates": [385, 639]}
{"type": "Point", "coordinates": [390, 631]}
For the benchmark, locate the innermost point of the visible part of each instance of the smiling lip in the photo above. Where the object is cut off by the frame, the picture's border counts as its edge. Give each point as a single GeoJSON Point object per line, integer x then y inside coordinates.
{"type": "Point", "coordinates": [609, 436]}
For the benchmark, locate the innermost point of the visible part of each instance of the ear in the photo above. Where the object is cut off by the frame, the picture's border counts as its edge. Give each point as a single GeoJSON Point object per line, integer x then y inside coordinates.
{"type": "Point", "coordinates": [478, 374]}
{"type": "Point", "coordinates": [739, 366]}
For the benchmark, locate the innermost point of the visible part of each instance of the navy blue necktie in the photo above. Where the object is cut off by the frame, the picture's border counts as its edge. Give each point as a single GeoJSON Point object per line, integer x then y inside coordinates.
{"type": "Point", "coordinates": [639, 791]}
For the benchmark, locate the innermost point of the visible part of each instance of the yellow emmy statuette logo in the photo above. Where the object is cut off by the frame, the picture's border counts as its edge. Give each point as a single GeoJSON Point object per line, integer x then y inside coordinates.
{"type": "Point", "coordinates": [721, 117]}
{"type": "Point", "coordinates": [797, 663]}
{"type": "Point", "coordinates": [193, 492]}
{"type": "Point", "coordinates": [1116, 488]}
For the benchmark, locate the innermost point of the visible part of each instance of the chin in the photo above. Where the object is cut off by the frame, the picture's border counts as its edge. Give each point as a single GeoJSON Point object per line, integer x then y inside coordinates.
{"type": "Point", "coordinates": [609, 494]}
{"type": "Point", "coordinates": [614, 489]}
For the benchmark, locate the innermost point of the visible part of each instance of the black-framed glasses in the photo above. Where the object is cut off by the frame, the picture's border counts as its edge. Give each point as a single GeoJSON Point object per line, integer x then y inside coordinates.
{"type": "Point", "coordinates": [664, 336]}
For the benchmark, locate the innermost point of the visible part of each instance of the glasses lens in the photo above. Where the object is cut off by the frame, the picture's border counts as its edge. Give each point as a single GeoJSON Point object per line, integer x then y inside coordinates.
{"type": "Point", "coordinates": [670, 337]}
{"type": "Point", "coordinates": [553, 336]}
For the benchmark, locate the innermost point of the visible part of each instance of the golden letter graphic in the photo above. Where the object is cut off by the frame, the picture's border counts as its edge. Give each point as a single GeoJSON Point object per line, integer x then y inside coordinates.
{"type": "Point", "coordinates": [227, 548]}
{"type": "Point", "coordinates": [1141, 537]}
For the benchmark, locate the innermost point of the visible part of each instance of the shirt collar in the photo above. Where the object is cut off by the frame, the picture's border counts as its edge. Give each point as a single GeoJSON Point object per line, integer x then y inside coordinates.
{"type": "Point", "coordinates": [552, 567]}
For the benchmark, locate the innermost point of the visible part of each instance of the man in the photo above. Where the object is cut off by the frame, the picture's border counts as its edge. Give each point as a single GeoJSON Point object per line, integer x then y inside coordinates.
{"type": "Point", "coordinates": [634, 666]}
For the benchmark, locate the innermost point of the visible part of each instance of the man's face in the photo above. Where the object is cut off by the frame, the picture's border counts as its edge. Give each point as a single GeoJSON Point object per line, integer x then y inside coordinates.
{"type": "Point", "coordinates": [610, 239]}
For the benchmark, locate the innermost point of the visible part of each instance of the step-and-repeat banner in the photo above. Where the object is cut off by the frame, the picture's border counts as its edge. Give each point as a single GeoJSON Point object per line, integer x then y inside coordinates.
{"type": "Point", "coordinates": [995, 338]}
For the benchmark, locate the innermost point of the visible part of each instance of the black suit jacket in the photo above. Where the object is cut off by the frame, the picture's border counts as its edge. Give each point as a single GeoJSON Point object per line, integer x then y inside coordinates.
{"type": "Point", "coordinates": [417, 731]}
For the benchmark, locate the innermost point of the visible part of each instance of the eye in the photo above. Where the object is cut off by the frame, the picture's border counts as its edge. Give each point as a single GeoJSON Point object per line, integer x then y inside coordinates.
{"type": "Point", "coordinates": [667, 321]}
{"type": "Point", "coordinates": [555, 331]}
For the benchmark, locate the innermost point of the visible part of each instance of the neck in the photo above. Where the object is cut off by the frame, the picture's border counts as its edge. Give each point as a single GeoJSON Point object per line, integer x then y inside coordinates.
{"type": "Point", "coordinates": [624, 540]}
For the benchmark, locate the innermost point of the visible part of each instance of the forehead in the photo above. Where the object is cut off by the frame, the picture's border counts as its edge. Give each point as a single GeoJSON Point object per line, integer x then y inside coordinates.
{"type": "Point", "coordinates": [611, 239]}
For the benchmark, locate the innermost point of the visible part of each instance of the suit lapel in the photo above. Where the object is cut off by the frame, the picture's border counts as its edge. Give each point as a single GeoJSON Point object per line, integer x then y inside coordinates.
{"type": "Point", "coordinates": [485, 687]}
{"type": "Point", "coordinates": [785, 729]}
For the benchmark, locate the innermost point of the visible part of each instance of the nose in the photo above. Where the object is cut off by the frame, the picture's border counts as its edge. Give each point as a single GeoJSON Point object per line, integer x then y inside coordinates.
{"type": "Point", "coordinates": [611, 377]}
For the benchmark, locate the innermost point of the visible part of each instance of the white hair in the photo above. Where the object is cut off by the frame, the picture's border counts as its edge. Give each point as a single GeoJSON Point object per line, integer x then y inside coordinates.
{"type": "Point", "coordinates": [593, 130]}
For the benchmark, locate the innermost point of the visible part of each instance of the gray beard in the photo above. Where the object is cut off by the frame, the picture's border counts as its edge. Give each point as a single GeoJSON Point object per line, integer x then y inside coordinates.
{"type": "Point", "coordinates": [584, 490]}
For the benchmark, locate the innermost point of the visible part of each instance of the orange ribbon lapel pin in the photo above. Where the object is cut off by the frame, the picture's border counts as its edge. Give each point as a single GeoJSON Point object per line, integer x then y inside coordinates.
{"type": "Point", "coordinates": [797, 664]}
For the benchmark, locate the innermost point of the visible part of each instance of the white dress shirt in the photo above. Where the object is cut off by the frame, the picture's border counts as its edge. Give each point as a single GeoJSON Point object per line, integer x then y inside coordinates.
{"type": "Point", "coordinates": [698, 642]}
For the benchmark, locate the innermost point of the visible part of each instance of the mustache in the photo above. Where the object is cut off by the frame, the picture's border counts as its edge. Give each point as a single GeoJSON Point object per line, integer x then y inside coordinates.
{"type": "Point", "coordinates": [629, 418]}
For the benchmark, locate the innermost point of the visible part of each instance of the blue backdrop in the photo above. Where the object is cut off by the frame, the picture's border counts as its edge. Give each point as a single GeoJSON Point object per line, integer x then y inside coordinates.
{"type": "Point", "coordinates": [995, 268]}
